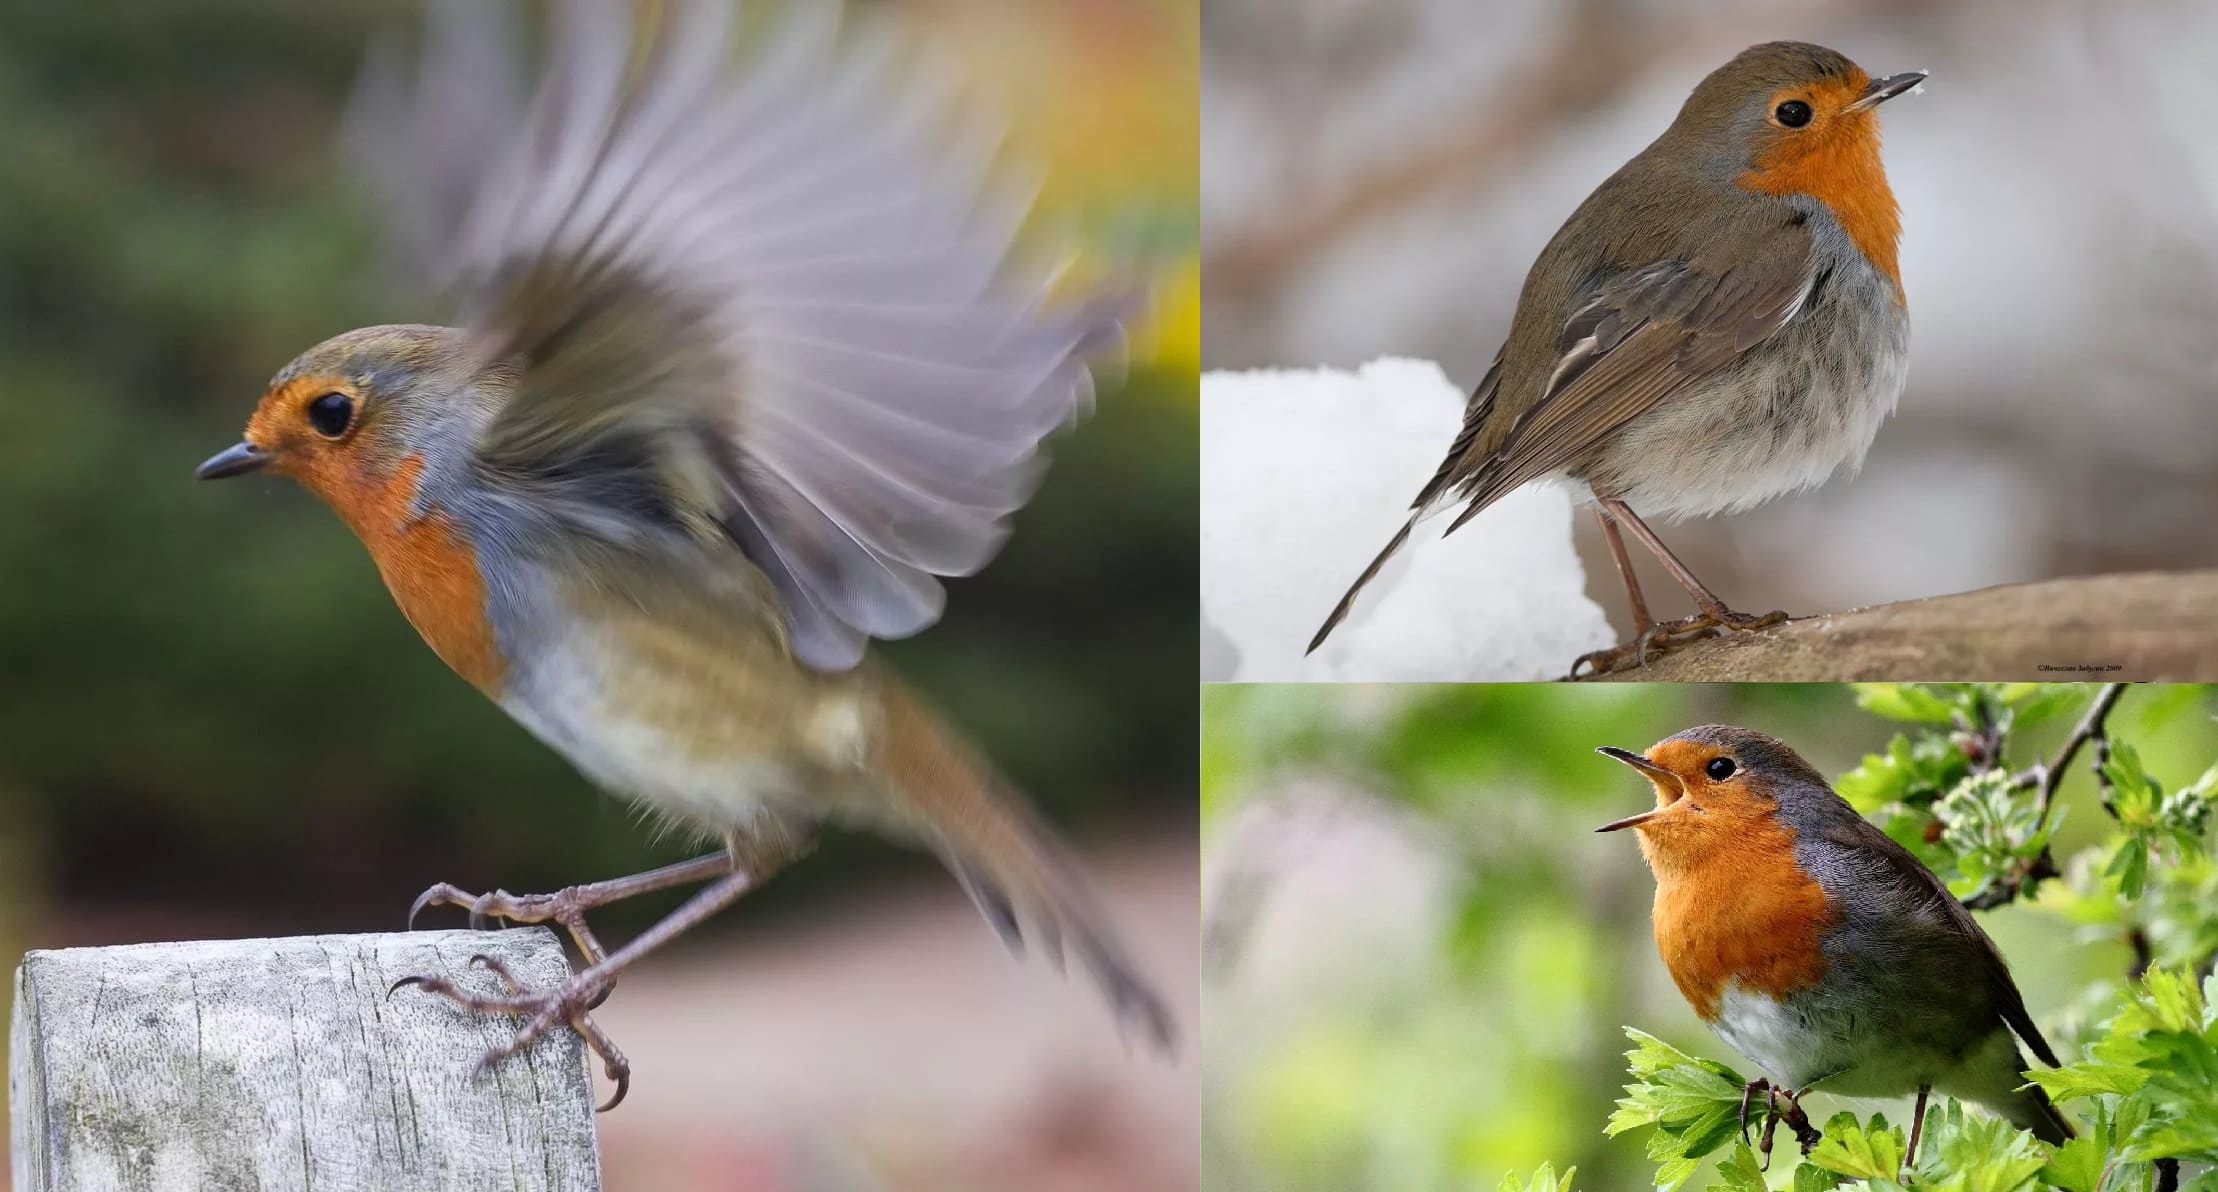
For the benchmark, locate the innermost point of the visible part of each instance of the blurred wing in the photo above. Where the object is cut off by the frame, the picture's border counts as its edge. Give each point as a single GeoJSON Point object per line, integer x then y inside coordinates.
{"type": "Point", "coordinates": [777, 301]}
{"type": "Point", "coordinates": [1641, 336]}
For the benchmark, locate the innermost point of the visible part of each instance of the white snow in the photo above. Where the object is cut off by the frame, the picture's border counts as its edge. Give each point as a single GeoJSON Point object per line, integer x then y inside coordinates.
{"type": "Point", "coordinates": [1305, 474]}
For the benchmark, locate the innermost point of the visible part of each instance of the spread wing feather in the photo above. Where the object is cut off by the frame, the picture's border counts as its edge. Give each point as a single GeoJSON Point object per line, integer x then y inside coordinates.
{"type": "Point", "coordinates": [783, 292]}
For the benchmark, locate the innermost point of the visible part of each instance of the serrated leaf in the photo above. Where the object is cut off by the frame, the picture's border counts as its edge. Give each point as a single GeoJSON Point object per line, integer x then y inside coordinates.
{"type": "Point", "coordinates": [1740, 1172]}
{"type": "Point", "coordinates": [1853, 1149]}
{"type": "Point", "coordinates": [2078, 1165]}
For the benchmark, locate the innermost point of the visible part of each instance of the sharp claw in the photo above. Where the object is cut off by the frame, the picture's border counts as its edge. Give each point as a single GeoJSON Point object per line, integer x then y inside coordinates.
{"type": "Point", "coordinates": [478, 913]}
{"type": "Point", "coordinates": [395, 987]}
{"type": "Point", "coordinates": [423, 902]}
{"type": "Point", "coordinates": [623, 1081]}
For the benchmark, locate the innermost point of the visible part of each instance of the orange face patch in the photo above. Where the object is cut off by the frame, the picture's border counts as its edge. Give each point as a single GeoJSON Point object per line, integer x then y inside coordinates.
{"type": "Point", "coordinates": [1835, 159]}
{"type": "Point", "coordinates": [1732, 903]}
{"type": "Point", "coordinates": [429, 567]}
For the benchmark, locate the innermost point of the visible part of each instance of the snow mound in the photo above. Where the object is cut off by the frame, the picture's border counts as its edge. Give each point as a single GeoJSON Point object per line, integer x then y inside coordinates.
{"type": "Point", "coordinates": [1306, 473]}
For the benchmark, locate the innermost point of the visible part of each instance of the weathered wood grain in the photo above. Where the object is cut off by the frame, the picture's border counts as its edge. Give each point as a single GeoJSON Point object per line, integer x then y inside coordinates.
{"type": "Point", "coordinates": [2143, 627]}
{"type": "Point", "coordinates": [282, 1064]}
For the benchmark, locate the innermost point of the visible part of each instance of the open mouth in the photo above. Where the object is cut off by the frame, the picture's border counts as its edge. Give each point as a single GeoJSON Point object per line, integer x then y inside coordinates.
{"type": "Point", "coordinates": [1664, 780]}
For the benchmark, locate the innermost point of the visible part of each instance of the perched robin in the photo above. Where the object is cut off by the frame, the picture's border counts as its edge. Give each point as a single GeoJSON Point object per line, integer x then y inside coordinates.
{"type": "Point", "coordinates": [743, 371]}
{"type": "Point", "coordinates": [1720, 322]}
{"type": "Point", "coordinates": [1817, 947]}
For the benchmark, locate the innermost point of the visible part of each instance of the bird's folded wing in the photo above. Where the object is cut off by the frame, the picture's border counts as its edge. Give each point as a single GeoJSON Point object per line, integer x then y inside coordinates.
{"type": "Point", "coordinates": [776, 298]}
{"type": "Point", "coordinates": [1909, 884]}
{"type": "Point", "coordinates": [1639, 336]}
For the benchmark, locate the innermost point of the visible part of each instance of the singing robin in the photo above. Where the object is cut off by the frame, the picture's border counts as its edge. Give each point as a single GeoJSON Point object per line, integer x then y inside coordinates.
{"type": "Point", "coordinates": [1720, 322]}
{"type": "Point", "coordinates": [744, 369]}
{"type": "Point", "coordinates": [1818, 947]}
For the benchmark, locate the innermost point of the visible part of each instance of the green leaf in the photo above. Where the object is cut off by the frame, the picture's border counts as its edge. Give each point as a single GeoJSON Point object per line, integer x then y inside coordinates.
{"type": "Point", "coordinates": [1740, 1172]}
{"type": "Point", "coordinates": [1967, 1152]}
{"type": "Point", "coordinates": [1811, 1178]}
{"type": "Point", "coordinates": [1851, 1148]}
{"type": "Point", "coordinates": [1906, 701]}
{"type": "Point", "coordinates": [1544, 1180]}
{"type": "Point", "coordinates": [1692, 1104]}
{"type": "Point", "coordinates": [2077, 1166]}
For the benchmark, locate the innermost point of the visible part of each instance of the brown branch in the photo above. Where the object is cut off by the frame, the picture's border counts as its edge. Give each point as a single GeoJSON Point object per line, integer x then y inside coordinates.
{"type": "Point", "coordinates": [2090, 728]}
{"type": "Point", "coordinates": [2149, 626]}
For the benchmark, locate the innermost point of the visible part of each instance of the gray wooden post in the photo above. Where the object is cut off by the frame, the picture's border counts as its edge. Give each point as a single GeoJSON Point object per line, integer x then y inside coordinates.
{"type": "Point", "coordinates": [281, 1064]}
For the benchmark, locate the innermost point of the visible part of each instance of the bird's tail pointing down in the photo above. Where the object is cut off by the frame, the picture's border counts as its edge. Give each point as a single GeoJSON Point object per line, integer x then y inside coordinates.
{"type": "Point", "coordinates": [1021, 877]}
{"type": "Point", "coordinates": [1340, 610]}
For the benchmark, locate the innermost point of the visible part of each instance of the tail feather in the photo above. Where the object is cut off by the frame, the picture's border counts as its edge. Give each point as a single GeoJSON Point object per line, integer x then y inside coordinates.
{"type": "Point", "coordinates": [2034, 1111]}
{"type": "Point", "coordinates": [1023, 880]}
{"type": "Point", "coordinates": [1340, 610]}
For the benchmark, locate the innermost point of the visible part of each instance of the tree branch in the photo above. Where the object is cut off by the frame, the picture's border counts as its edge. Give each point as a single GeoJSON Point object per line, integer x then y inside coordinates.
{"type": "Point", "coordinates": [2148, 626]}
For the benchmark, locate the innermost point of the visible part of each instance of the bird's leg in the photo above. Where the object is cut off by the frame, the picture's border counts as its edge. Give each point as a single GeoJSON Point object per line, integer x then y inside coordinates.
{"type": "Point", "coordinates": [1655, 637]}
{"type": "Point", "coordinates": [1714, 614]}
{"type": "Point", "coordinates": [572, 1001]}
{"type": "Point", "coordinates": [1641, 619]}
{"type": "Point", "coordinates": [1917, 1128]}
{"type": "Point", "coordinates": [1748, 1095]}
{"type": "Point", "coordinates": [1602, 662]}
{"type": "Point", "coordinates": [1799, 1122]}
{"type": "Point", "coordinates": [1771, 1125]}
{"type": "Point", "coordinates": [746, 865]}
{"type": "Point", "coordinates": [567, 907]}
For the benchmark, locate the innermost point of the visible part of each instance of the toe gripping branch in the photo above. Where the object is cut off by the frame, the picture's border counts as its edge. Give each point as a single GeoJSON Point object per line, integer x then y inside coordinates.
{"type": "Point", "coordinates": [1804, 1133]}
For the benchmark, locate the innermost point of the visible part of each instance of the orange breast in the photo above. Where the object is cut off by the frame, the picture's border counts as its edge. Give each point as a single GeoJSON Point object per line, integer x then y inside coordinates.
{"type": "Point", "coordinates": [1747, 914]}
{"type": "Point", "coordinates": [432, 572]}
{"type": "Point", "coordinates": [1839, 166]}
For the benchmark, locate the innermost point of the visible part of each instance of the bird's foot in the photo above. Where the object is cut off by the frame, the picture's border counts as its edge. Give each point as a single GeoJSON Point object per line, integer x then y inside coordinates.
{"type": "Point", "coordinates": [1666, 636]}
{"type": "Point", "coordinates": [1805, 1134]}
{"type": "Point", "coordinates": [1748, 1097]}
{"type": "Point", "coordinates": [571, 1003]}
{"type": "Point", "coordinates": [565, 908]}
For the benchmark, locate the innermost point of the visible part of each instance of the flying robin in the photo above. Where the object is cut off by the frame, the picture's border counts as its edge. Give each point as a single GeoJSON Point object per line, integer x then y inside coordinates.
{"type": "Point", "coordinates": [1720, 322]}
{"type": "Point", "coordinates": [1818, 947]}
{"type": "Point", "coordinates": [743, 371]}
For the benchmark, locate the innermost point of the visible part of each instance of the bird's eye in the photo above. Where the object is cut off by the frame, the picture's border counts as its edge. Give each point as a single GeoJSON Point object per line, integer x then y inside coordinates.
{"type": "Point", "coordinates": [1794, 113]}
{"type": "Point", "coordinates": [331, 414]}
{"type": "Point", "coordinates": [1719, 768]}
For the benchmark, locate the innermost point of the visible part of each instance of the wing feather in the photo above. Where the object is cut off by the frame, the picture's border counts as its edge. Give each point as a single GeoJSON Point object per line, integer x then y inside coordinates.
{"type": "Point", "coordinates": [1641, 335]}
{"type": "Point", "coordinates": [784, 293]}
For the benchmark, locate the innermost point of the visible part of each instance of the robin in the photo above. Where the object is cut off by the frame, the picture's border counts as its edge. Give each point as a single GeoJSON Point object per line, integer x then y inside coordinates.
{"type": "Point", "coordinates": [1818, 947]}
{"type": "Point", "coordinates": [744, 372]}
{"type": "Point", "coordinates": [1720, 322]}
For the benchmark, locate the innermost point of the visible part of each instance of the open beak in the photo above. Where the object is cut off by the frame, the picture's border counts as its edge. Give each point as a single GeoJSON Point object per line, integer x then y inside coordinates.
{"type": "Point", "coordinates": [235, 460]}
{"type": "Point", "coordinates": [1655, 773]}
{"type": "Point", "coordinates": [1882, 90]}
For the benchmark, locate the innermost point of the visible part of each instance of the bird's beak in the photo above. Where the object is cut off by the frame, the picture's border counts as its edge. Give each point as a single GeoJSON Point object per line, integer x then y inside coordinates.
{"type": "Point", "coordinates": [236, 460]}
{"type": "Point", "coordinates": [1882, 90]}
{"type": "Point", "coordinates": [1657, 774]}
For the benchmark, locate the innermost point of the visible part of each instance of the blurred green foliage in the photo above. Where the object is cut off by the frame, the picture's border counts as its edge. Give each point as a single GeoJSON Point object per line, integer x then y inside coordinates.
{"type": "Point", "coordinates": [1494, 1047]}
{"type": "Point", "coordinates": [206, 697]}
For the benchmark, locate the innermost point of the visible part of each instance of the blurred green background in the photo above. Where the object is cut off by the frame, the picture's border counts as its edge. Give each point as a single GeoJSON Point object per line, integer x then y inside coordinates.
{"type": "Point", "coordinates": [1417, 955]}
{"type": "Point", "coordinates": [212, 719]}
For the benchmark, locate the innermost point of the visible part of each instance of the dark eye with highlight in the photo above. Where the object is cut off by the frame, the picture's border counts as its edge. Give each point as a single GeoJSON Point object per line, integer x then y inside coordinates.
{"type": "Point", "coordinates": [1719, 768]}
{"type": "Point", "coordinates": [331, 414]}
{"type": "Point", "coordinates": [1794, 113]}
